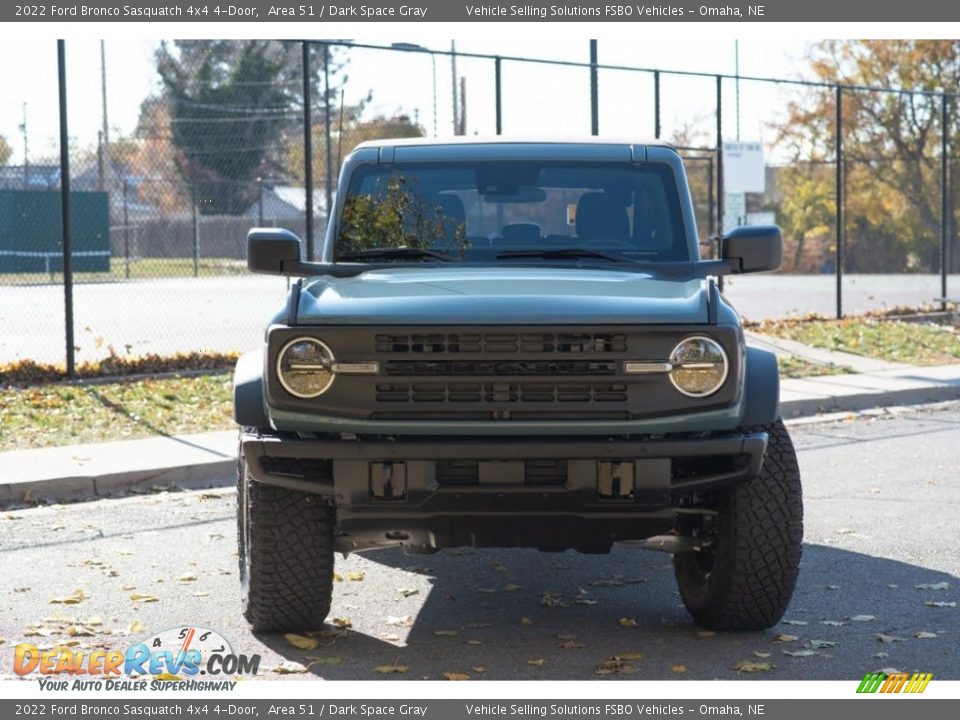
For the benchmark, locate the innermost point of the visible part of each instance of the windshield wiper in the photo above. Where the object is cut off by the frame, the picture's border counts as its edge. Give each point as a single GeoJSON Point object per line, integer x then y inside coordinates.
{"type": "Point", "coordinates": [559, 254]}
{"type": "Point", "coordinates": [394, 253]}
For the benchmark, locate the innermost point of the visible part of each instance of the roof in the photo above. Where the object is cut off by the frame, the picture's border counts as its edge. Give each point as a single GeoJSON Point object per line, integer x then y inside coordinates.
{"type": "Point", "coordinates": [509, 140]}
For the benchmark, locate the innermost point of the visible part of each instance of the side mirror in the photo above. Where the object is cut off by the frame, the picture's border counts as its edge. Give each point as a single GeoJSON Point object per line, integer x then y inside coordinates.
{"type": "Point", "coordinates": [273, 251]}
{"type": "Point", "coordinates": [753, 248]}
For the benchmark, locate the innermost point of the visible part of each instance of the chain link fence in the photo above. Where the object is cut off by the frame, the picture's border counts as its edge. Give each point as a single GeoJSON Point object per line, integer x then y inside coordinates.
{"type": "Point", "coordinates": [229, 135]}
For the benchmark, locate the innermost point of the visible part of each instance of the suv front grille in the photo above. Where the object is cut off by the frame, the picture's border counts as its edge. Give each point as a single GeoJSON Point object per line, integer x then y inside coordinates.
{"type": "Point", "coordinates": [494, 368]}
{"type": "Point", "coordinates": [483, 343]}
{"type": "Point", "coordinates": [498, 393]}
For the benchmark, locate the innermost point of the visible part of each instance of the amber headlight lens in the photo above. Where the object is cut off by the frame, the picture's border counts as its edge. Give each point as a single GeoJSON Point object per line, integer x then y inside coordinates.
{"type": "Point", "coordinates": [699, 366]}
{"type": "Point", "coordinates": [305, 367]}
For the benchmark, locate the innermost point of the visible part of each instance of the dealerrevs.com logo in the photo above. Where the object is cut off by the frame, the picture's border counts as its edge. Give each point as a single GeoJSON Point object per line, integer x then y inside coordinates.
{"type": "Point", "coordinates": [185, 658]}
{"type": "Point", "coordinates": [896, 682]}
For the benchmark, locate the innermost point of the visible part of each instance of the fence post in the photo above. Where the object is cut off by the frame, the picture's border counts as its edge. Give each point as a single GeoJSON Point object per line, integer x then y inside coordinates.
{"type": "Point", "coordinates": [720, 198]}
{"type": "Point", "coordinates": [594, 91]}
{"type": "Point", "coordinates": [65, 208]}
{"type": "Point", "coordinates": [196, 224]}
{"type": "Point", "coordinates": [126, 229]}
{"type": "Point", "coordinates": [656, 104]}
{"type": "Point", "coordinates": [260, 202]}
{"type": "Point", "coordinates": [944, 198]}
{"type": "Point", "coordinates": [498, 93]}
{"type": "Point", "coordinates": [328, 133]}
{"type": "Point", "coordinates": [838, 149]}
{"type": "Point", "coordinates": [307, 148]}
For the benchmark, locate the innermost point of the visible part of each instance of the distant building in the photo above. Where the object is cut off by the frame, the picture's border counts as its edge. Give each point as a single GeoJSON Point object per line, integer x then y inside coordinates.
{"type": "Point", "coordinates": [286, 202]}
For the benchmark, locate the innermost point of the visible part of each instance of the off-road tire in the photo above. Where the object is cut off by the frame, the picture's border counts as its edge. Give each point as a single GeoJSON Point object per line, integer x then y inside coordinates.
{"type": "Point", "coordinates": [746, 579]}
{"type": "Point", "coordinates": [285, 549]}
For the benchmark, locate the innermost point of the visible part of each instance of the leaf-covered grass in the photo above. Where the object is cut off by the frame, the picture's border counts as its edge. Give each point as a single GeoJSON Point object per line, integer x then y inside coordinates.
{"type": "Point", "coordinates": [28, 372]}
{"type": "Point", "coordinates": [794, 367]}
{"type": "Point", "coordinates": [904, 342]}
{"type": "Point", "coordinates": [67, 414]}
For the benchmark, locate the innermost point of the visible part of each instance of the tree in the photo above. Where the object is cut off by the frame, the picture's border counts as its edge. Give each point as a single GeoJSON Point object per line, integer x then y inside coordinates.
{"type": "Point", "coordinates": [231, 104]}
{"type": "Point", "coordinates": [344, 139]}
{"type": "Point", "coordinates": [891, 145]}
{"type": "Point", "coordinates": [5, 151]}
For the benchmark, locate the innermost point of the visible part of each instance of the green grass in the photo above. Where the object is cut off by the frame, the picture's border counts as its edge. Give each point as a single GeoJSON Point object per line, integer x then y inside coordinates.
{"type": "Point", "coordinates": [140, 269]}
{"type": "Point", "coordinates": [794, 367]}
{"type": "Point", "coordinates": [903, 342]}
{"type": "Point", "coordinates": [50, 415]}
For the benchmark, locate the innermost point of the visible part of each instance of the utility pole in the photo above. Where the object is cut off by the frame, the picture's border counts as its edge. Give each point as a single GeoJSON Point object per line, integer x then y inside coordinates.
{"type": "Point", "coordinates": [736, 72]}
{"type": "Point", "coordinates": [453, 85]}
{"type": "Point", "coordinates": [463, 106]}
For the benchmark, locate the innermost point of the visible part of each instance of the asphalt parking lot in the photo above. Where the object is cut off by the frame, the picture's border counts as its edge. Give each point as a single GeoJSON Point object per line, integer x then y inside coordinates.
{"type": "Point", "coordinates": [879, 585]}
{"type": "Point", "coordinates": [230, 313]}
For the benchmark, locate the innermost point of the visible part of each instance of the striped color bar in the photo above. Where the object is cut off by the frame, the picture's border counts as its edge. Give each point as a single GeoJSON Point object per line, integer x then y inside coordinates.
{"type": "Point", "coordinates": [894, 682]}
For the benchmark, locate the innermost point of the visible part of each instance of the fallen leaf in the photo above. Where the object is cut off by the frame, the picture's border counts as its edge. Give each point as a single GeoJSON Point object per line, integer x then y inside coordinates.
{"type": "Point", "coordinates": [550, 599]}
{"type": "Point", "coordinates": [136, 626]}
{"type": "Point", "coordinates": [500, 567]}
{"type": "Point", "coordinates": [333, 660]}
{"type": "Point", "coordinates": [566, 636]}
{"type": "Point", "coordinates": [289, 668]}
{"type": "Point", "coordinates": [93, 621]}
{"type": "Point", "coordinates": [474, 642]}
{"type": "Point", "coordinates": [833, 587]}
{"type": "Point", "coordinates": [679, 669]}
{"type": "Point", "coordinates": [390, 638]}
{"type": "Point", "coordinates": [570, 645]}
{"type": "Point", "coordinates": [537, 662]}
{"type": "Point", "coordinates": [706, 633]}
{"type": "Point", "coordinates": [169, 677]}
{"type": "Point", "coordinates": [526, 621]}
{"type": "Point", "coordinates": [456, 676]}
{"type": "Point", "coordinates": [76, 598]}
{"type": "Point", "coordinates": [627, 622]}
{"type": "Point", "coordinates": [799, 653]}
{"type": "Point", "coordinates": [940, 604]}
{"type": "Point", "coordinates": [607, 582]}
{"type": "Point", "coordinates": [343, 622]}
{"type": "Point", "coordinates": [585, 601]}
{"type": "Point", "coordinates": [446, 633]}
{"type": "Point", "coordinates": [761, 654]}
{"type": "Point", "coordinates": [486, 590]}
{"type": "Point", "coordinates": [355, 576]}
{"type": "Point", "coordinates": [888, 638]}
{"type": "Point", "coordinates": [833, 623]}
{"type": "Point", "coordinates": [301, 642]}
{"type": "Point", "coordinates": [407, 592]}
{"type": "Point", "coordinates": [137, 597]}
{"type": "Point", "coordinates": [512, 588]}
{"type": "Point", "coordinates": [748, 666]}
{"type": "Point", "coordinates": [786, 638]}
{"type": "Point", "coordinates": [795, 622]}
{"type": "Point", "coordinates": [617, 665]}
{"type": "Point", "coordinates": [881, 655]}
{"type": "Point", "coordinates": [37, 631]}
{"type": "Point", "coordinates": [337, 577]}
{"type": "Point", "coordinates": [79, 631]}
{"type": "Point", "coordinates": [924, 635]}
{"type": "Point", "coordinates": [478, 669]}
{"type": "Point", "coordinates": [933, 586]}
{"type": "Point", "coordinates": [821, 644]}
{"type": "Point", "coordinates": [200, 593]}
{"type": "Point", "coordinates": [400, 621]}
{"type": "Point", "coordinates": [862, 618]}
{"type": "Point", "coordinates": [187, 578]}
{"type": "Point", "coordinates": [391, 669]}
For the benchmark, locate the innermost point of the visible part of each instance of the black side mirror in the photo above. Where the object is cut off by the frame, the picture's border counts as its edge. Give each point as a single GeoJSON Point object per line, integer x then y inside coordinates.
{"type": "Point", "coordinates": [753, 248]}
{"type": "Point", "coordinates": [273, 251]}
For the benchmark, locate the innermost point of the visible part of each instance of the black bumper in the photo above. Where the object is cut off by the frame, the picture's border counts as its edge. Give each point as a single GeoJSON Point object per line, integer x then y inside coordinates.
{"type": "Point", "coordinates": [549, 493]}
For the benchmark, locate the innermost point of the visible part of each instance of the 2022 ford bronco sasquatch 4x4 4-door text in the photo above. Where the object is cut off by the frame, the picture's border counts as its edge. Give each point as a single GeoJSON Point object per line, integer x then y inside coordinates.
{"type": "Point", "coordinates": [514, 344]}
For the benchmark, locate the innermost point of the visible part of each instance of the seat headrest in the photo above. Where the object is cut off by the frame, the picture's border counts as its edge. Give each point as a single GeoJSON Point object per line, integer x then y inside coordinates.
{"type": "Point", "coordinates": [452, 207]}
{"type": "Point", "coordinates": [521, 233]}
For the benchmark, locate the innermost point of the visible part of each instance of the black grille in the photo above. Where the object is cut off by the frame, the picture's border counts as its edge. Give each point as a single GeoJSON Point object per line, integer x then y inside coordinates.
{"type": "Point", "coordinates": [535, 472]}
{"type": "Point", "coordinates": [495, 393]}
{"type": "Point", "coordinates": [500, 343]}
{"type": "Point", "coordinates": [490, 368]}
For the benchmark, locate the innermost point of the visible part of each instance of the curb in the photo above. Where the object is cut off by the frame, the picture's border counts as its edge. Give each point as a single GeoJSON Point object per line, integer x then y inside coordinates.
{"type": "Point", "coordinates": [221, 472]}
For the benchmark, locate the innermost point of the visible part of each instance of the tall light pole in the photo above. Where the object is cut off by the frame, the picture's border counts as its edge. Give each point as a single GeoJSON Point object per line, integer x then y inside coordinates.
{"type": "Point", "coordinates": [413, 47]}
{"type": "Point", "coordinates": [26, 148]}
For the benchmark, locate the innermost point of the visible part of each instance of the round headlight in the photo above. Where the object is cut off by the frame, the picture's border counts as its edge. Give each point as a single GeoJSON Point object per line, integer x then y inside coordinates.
{"type": "Point", "coordinates": [305, 367]}
{"type": "Point", "coordinates": [699, 366]}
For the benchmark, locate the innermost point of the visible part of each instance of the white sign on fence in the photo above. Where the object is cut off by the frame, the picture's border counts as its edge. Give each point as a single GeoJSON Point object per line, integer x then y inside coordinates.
{"type": "Point", "coordinates": [743, 169]}
{"type": "Point", "coordinates": [734, 210]}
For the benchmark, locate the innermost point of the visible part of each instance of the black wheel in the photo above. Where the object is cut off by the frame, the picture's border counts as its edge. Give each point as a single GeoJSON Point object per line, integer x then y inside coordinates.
{"type": "Point", "coordinates": [744, 577]}
{"type": "Point", "coordinates": [285, 549]}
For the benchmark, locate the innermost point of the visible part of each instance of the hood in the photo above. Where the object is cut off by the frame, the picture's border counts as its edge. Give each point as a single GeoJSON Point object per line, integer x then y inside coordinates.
{"type": "Point", "coordinates": [484, 295]}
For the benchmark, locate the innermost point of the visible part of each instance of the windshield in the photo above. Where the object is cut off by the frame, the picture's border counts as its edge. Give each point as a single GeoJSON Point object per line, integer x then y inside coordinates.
{"type": "Point", "coordinates": [502, 211]}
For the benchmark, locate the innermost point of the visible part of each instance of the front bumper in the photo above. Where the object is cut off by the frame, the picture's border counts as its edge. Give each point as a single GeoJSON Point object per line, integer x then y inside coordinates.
{"type": "Point", "coordinates": [551, 493]}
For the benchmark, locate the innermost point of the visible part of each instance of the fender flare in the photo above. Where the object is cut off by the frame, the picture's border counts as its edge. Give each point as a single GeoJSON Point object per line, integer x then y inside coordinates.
{"type": "Point", "coordinates": [761, 387]}
{"type": "Point", "coordinates": [248, 409]}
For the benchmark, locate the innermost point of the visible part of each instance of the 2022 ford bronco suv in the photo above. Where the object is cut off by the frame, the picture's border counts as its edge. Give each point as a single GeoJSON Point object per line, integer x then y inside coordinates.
{"type": "Point", "coordinates": [514, 344]}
